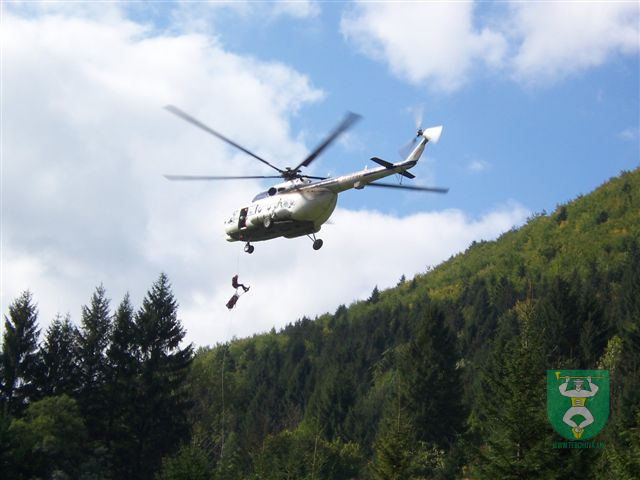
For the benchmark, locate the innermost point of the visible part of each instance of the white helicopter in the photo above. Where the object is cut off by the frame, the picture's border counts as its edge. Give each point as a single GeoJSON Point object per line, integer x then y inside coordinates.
{"type": "Point", "coordinates": [302, 203]}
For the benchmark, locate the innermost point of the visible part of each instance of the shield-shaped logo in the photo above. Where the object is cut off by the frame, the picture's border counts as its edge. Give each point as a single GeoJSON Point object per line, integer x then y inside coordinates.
{"type": "Point", "coordinates": [578, 402]}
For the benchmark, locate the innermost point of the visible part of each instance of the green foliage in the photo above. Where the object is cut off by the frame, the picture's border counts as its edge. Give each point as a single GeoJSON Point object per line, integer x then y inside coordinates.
{"type": "Point", "coordinates": [304, 454]}
{"type": "Point", "coordinates": [399, 454]}
{"type": "Point", "coordinates": [121, 389]}
{"type": "Point", "coordinates": [161, 399]}
{"type": "Point", "coordinates": [187, 463]}
{"type": "Point", "coordinates": [93, 340]}
{"type": "Point", "coordinates": [19, 355]}
{"type": "Point", "coordinates": [113, 392]}
{"type": "Point", "coordinates": [49, 441]}
{"type": "Point", "coordinates": [623, 455]}
{"type": "Point", "coordinates": [375, 295]}
{"type": "Point", "coordinates": [526, 255]}
{"type": "Point", "coordinates": [60, 364]}
{"type": "Point", "coordinates": [232, 462]}
{"type": "Point", "coordinates": [394, 448]}
{"type": "Point", "coordinates": [562, 214]}
{"type": "Point", "coordinates": [428, 381]}
{"type": "Point", "coordinates": [389, 374]}
{"type": "Point", "coordinates": [510, 405]}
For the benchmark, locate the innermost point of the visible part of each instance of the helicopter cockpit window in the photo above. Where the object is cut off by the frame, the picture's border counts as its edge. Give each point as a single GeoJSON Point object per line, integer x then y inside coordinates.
{"type": "Point", "coordinates": [260, 196]}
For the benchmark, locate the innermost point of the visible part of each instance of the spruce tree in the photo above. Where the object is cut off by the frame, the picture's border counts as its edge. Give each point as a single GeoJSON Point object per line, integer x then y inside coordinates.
{"type": "Point", "coordinates": [93, 340]}
{"type": "Point", "coordinates": [509, 408]}
{"type": "Point", "coordinates": [624, 421]}
{"type": "Point", "coordinates": [122, 390]}
{"type": "Point", "coordinates": [19, 355]}
{"type": "Point", "coordinates": [429, 382]}
{"type": "Point", "coordinates": [394, 446]}
{"type": "Point", "coordinates": [59, 367]}
{"type": "Point", "coordinates": [162, 401]}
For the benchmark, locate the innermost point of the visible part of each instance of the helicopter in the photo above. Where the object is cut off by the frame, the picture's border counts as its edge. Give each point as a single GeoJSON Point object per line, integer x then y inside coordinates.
{"type": "Point", "coordinates": [302, 203]}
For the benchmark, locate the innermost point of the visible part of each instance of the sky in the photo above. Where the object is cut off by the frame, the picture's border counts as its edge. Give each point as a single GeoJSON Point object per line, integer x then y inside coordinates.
{"type": "Point", "coordinates": [539, 103]}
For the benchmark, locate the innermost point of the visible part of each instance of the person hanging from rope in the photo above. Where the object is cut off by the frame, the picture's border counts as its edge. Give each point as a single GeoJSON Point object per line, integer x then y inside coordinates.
{"type": "Point", "coordinates": [234, 283]}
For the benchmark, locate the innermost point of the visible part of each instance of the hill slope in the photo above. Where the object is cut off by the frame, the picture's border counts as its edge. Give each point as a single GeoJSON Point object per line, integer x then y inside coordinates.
{"type": "Point", "coordinates": [444, 375]}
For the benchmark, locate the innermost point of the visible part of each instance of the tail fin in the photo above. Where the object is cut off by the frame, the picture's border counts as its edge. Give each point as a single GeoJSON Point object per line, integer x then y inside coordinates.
{"type": "Point", "coordinates": [432, 134]}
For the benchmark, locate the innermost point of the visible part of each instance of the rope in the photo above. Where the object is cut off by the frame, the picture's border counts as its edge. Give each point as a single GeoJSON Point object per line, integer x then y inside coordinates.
{"type": "Point", "coordinates": [224, 355]}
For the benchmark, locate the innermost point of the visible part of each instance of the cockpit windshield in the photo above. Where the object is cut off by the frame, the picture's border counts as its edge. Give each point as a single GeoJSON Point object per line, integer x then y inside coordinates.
{"type": "Point", "coordinates": [260, 196]}
{"type": "Point", "coordinates": [283, 187]}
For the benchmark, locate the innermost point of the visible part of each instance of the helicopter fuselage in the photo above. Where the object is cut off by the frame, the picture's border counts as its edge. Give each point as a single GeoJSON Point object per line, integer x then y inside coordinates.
{"type": "Point", "coordinates": [300, 207]}
{"type": "Point", "coordinates": [289, 214]}
{"type": "Point", "coordinates": [301, 204]}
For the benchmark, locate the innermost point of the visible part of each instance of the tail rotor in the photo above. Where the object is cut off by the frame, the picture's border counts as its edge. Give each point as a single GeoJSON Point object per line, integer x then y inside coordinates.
{"type": "Point", "coordinates": [432, 134]}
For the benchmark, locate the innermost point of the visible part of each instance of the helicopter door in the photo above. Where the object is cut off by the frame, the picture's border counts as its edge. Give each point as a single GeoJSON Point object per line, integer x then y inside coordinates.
{"type": "Point", "coordinates": [242, 220]}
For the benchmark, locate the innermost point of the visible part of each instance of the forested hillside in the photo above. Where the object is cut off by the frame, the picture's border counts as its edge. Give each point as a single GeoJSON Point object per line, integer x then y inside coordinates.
{"type": "Point", "coordinates": [443, 376]}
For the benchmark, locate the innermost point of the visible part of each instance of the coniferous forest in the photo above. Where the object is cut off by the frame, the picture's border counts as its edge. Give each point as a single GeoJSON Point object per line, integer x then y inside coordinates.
{"type": "Point", "coordinates": [443, 376]}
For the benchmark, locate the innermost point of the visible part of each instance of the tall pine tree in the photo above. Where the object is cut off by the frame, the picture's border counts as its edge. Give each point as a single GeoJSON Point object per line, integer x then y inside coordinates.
{"type": "Point", "coordinates": [509, 405]}
{"type": "Point", "coordinates": [59, 366]}
{"type": "Point", "coordinates": [162, 396]}
{"type": "Point", "coordinates": [624, 421]}
{"type": "Point", "coordinates": [122, 390]}
{"type": "Point", "coordinates": [19, 355]}
{"type": "Point", "coordinates": [394, 446]}
{"type": "Point", "coordinates": [429, 382]}
{"type": "Point", "coordinates": [92, 348]}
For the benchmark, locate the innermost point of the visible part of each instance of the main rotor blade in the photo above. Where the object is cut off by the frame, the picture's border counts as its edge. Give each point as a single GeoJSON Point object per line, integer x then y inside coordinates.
{"type": "Point", "coordinates": [215, 177]}
{"type": "Point", "coordinates": [199, 124]}
{"type": "Point", "coordinates": [418, 113]}
{"type": "Point", "coordinates": [315, 178]}
{"type": "Point", "coordinates": [348, 121]}
{"type": "Point", "coordinates": [409, 187]}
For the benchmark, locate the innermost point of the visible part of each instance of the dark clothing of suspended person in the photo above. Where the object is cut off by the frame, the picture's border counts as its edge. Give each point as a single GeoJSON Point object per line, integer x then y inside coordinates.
{"type": "Point", "coordinates": [234, 283]}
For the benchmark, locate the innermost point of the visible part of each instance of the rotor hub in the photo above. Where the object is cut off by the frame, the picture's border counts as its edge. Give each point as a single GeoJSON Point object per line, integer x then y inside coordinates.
{"type": "Point", "coordinates": [291, 174]}
{"type": "Point", "coordinates": [287, 174]}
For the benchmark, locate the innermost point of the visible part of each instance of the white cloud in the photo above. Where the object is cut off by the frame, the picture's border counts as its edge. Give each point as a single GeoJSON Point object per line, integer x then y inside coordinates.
{"type": "Point", "coordinates": [477, 166]}
{"type": "Point", "coordinates": [630, 134]}
{"type": "Point", "coordinates": [536, 43]}
{"type": "Point", "coordinates": [557, 39]}
{"type": "Point", "coordinates": [206, 16]}
{"type": "Point", "coordinates": [434, 43]}
{"type": "Point", "coordinates": [362, 249]}
{"type": "Point", "coordinates": [297, 8]}
{"type": "Point", "coordinates": [85, 143]}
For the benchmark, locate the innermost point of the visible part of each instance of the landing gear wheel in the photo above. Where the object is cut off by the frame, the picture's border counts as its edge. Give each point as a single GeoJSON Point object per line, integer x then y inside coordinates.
{"type": "Point", "coordinates": [249, 248]}
{"type": "Point", "coordinates": [317, 244]}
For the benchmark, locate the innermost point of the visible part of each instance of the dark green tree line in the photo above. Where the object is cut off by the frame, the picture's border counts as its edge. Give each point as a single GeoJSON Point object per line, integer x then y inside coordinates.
{"type": "Point", "coordinates": [105, 400]}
